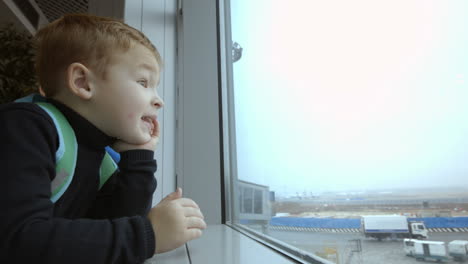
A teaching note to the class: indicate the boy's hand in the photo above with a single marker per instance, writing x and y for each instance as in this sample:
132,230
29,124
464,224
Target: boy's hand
121,146
175,221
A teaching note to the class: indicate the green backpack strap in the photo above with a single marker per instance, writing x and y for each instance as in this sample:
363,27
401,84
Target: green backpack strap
66,155
108,167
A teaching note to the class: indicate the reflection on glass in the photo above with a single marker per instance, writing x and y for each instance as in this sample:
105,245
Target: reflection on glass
351,109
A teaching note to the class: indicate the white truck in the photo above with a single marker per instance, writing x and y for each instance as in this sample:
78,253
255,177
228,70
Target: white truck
458,250
393,226
425,250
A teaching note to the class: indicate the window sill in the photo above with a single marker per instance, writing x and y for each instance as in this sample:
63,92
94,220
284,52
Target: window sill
221,244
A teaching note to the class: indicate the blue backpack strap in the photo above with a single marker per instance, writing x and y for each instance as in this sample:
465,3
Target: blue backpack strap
67,152
114,154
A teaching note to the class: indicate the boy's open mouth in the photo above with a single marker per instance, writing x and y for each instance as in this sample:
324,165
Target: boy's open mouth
150,122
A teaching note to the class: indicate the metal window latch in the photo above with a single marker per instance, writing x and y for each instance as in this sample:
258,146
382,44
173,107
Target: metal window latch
236,52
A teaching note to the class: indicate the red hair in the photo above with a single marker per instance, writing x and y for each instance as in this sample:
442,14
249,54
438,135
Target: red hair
87,39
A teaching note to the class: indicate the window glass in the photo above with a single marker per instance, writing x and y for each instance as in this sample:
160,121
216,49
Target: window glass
258,202
351,120
247,200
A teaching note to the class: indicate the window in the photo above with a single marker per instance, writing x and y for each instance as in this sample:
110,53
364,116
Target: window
253,203
246,200
341,110
409,243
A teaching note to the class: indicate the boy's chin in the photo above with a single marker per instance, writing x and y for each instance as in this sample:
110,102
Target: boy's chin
139,140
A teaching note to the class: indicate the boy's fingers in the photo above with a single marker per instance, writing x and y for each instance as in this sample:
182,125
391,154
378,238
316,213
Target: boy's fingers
170,196
195,222
174,195
190,211
188,203
156,130
193,233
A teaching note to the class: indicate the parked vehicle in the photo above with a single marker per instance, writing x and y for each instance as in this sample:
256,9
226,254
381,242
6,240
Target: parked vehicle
394,226
458,249
425,250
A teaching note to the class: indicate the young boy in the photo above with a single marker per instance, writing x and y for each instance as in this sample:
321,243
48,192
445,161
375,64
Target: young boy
101,74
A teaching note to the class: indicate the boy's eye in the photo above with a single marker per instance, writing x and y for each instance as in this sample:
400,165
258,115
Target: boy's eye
143,83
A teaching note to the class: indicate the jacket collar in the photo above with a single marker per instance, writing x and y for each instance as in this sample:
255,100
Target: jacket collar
86,133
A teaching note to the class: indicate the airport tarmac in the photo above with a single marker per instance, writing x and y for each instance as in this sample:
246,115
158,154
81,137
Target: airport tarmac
344,248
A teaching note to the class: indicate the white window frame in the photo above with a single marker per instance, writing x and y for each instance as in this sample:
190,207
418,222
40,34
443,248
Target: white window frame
198,157
157,20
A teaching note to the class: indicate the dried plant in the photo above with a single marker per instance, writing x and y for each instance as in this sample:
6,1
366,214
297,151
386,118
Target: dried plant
17,76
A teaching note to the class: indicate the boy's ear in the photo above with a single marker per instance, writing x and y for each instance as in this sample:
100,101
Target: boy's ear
78,80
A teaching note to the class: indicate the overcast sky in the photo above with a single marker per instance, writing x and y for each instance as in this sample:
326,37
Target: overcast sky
338,95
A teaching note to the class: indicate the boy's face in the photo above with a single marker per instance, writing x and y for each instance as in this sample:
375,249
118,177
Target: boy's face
127,98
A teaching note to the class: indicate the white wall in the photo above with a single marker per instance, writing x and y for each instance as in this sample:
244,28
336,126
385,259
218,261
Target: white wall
157,20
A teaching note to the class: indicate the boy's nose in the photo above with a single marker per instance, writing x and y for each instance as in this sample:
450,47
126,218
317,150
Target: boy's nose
157,102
